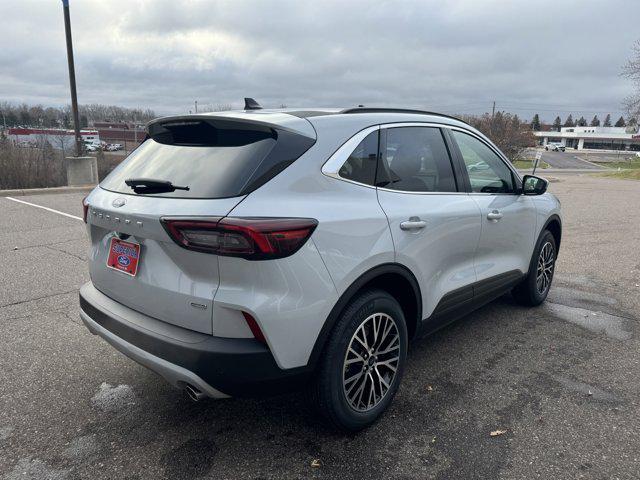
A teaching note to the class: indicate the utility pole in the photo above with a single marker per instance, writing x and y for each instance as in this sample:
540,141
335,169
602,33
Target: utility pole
196,106
72,78
493,114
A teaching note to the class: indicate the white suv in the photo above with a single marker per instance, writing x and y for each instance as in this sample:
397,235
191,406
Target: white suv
555,147
252,252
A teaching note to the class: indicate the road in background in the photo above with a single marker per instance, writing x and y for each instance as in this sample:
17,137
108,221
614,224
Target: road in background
562,380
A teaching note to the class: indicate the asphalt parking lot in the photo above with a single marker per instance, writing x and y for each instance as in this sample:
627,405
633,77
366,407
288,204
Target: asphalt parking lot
562,380
570,159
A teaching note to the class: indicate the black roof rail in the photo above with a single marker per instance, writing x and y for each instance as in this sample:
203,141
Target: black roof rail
399,110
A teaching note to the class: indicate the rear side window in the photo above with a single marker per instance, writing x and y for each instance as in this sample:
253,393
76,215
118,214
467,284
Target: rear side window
213,161
361,164
416,159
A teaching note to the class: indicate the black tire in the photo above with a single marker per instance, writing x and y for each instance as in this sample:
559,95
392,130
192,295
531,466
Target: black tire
528,292
328,392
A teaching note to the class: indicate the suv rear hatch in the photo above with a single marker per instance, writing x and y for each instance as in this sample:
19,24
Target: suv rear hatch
193,167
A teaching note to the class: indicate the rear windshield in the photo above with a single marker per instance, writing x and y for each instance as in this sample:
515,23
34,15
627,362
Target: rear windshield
211,162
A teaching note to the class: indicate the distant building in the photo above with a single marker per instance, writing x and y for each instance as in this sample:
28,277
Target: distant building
58,138
126,134
596,138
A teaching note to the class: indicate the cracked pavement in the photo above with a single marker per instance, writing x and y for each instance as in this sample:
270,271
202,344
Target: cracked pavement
563,380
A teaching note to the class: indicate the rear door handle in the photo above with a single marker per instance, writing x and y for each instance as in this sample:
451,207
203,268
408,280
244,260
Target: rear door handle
494,215
414,223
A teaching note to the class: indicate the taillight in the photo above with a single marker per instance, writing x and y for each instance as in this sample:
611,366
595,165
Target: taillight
249,238
85,209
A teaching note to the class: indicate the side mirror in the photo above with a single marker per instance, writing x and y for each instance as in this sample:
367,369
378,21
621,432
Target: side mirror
532,185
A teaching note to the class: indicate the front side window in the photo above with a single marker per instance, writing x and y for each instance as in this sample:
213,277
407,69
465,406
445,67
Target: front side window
361,164
416,159
487,172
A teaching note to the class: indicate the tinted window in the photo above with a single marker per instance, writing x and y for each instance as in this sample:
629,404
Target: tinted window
487,172
415,159
213,162
361,164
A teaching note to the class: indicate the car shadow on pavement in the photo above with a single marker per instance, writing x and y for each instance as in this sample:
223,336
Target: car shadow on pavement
491,371
427,426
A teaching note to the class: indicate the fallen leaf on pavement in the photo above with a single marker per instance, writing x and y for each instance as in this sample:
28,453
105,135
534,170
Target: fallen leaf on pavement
495,433
315,463
429,388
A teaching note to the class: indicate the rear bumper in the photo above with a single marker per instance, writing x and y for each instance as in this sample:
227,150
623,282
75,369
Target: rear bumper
219,367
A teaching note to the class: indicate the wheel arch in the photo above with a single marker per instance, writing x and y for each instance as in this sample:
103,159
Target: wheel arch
554,225
395,279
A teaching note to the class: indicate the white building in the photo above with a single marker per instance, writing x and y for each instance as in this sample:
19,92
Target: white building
596,138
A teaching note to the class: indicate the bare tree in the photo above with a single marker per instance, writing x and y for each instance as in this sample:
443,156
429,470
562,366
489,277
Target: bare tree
631,70
507,131
218,107
32,167
39,116
61,141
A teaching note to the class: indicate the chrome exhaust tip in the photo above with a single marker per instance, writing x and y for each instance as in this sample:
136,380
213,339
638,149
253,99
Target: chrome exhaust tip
193,393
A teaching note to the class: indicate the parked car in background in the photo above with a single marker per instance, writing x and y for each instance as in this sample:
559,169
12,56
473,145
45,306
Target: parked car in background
478,166
250,253
555,147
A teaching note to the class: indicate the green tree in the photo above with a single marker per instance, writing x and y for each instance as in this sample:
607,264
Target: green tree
535,123
557,124
632,122
607,120
582,122
569,122
621,122
595,122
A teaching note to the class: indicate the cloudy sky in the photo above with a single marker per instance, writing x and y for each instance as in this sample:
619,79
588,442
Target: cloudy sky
457,56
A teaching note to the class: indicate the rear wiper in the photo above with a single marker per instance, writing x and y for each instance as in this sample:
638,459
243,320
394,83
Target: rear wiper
149,185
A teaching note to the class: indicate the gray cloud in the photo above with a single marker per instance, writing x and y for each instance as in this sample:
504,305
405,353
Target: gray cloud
456,56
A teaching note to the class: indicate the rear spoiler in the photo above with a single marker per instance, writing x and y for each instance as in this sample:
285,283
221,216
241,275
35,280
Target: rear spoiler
250,121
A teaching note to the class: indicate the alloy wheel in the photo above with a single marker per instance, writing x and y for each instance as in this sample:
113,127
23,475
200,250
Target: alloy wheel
544,271
371,362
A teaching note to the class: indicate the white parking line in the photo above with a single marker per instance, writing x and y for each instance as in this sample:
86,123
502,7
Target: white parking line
44,208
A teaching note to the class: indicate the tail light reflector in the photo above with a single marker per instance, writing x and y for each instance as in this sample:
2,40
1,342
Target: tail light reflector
85,209
249,238
254,327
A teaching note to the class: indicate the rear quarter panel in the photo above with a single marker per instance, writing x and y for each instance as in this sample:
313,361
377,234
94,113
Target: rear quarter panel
352,237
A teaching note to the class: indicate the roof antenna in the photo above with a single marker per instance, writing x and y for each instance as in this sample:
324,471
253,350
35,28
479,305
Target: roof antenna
251,104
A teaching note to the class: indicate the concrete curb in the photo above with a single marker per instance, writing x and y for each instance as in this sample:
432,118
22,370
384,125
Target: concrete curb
45,191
